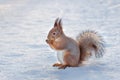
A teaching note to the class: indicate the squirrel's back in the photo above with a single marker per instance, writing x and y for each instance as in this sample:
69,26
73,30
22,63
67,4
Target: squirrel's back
90,43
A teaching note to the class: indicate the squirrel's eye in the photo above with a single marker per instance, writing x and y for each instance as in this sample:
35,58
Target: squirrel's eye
54,33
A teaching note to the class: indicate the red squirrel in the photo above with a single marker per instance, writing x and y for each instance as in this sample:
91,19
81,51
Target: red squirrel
74,52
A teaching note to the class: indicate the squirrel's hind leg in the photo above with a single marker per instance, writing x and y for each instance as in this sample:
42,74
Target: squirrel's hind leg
57,65
60,66
63,66
70,60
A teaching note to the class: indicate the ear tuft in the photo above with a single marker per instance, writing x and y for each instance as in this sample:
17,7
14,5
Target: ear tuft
56,22
60,23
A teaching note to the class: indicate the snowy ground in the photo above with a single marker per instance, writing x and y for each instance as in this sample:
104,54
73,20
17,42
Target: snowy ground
24,24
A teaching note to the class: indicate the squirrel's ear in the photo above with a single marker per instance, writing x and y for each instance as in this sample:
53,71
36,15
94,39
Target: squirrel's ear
56,22
60,24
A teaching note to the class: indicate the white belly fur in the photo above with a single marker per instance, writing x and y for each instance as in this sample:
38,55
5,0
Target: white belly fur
60,55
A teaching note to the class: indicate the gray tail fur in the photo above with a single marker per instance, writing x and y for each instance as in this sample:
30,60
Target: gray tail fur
90,43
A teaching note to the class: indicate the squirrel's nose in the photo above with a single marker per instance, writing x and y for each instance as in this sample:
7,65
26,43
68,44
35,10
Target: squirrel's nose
46,40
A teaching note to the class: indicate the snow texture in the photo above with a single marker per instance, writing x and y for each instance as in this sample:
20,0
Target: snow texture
24,25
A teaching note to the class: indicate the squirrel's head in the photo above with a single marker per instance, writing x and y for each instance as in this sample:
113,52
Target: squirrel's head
56,31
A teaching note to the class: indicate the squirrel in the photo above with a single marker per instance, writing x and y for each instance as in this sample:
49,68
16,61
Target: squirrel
74,52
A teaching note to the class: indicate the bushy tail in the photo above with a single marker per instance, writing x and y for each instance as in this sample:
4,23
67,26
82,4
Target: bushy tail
90,43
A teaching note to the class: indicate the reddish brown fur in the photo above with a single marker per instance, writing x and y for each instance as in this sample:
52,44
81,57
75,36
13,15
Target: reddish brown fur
74,52
70,59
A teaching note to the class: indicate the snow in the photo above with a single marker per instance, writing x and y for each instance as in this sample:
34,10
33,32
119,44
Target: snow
24,25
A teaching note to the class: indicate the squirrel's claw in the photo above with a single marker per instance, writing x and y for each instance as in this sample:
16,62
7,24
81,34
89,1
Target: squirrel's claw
63,66
57,65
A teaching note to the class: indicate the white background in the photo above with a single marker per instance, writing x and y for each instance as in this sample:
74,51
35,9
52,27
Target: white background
24,25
